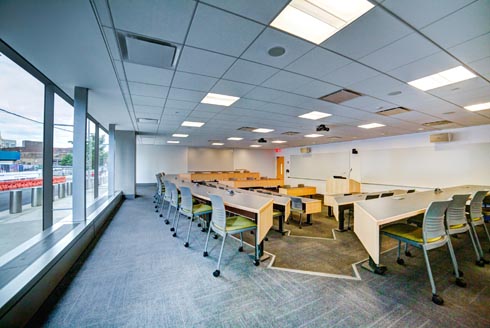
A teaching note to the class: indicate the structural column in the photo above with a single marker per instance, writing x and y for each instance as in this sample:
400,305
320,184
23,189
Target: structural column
48,156
111,161
96,161
79,156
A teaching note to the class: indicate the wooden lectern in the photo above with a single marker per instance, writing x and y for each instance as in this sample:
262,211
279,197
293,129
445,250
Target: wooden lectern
340,185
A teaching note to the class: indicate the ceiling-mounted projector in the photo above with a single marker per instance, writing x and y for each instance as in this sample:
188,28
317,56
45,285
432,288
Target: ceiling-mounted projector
262,140
322,127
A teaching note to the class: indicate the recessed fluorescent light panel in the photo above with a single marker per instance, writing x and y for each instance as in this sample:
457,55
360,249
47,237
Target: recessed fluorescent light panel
371,126
220,100
173,141
317,20
262,130
179,135
315,115
192,124
278,141
255,146
477,107
235,138
314,135
217,144
443,78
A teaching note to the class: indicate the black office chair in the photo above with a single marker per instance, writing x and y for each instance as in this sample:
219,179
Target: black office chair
410,191
368,197
387,194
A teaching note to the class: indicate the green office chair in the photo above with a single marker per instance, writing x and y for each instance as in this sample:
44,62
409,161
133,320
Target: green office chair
432,235
297,207
475,217
189,210
456,223
174,203
224,226
167,196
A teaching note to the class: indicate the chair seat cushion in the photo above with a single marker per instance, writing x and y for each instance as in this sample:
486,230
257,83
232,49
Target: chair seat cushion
476,219
201,208
276,213
297,210
239,223
407,231
457,226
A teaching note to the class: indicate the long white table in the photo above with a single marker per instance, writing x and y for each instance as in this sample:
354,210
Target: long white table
338,203
371,215
253,206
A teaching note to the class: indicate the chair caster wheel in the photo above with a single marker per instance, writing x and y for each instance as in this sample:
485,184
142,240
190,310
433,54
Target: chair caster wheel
161,215
300,227
380,270
156,211
216,273
400,261
205,254
485,261
166,222
460,282
460,273
199,225
156,206
251,232
215,236
240,249
186,245
172,229
174,234
408,254
256,262
266,238
203,230
437,299
480,263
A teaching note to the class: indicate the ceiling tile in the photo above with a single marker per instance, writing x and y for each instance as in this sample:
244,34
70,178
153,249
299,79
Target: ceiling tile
248,103
463,25
400,52
180,104
204,62
258,50
165,20
149,90
369,104
113,45
148,101
193,81
147,109
473,49
148,74
248,72
231,88
316,89
186,95
482,66
317,63
350,74
265,94
286,81
377,86
228,34
372,31
260,10
420,13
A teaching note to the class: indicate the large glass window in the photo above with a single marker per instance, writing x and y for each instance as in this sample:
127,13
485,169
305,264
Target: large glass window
103,156
62,159
90,163
21,155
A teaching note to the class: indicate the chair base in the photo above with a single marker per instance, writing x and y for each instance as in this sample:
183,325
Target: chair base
373,267
437,299
216,273
460,282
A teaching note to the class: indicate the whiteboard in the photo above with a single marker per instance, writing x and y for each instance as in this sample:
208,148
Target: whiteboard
319,166
434,166
208,159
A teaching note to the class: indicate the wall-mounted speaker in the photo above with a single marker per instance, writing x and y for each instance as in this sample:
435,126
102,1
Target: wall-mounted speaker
305,150
440,137
354,151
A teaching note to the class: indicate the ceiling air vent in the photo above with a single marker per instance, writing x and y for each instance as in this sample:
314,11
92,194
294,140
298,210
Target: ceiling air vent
333,138
340,96
437,123
290,133
246,128
145,51
393,111
147,120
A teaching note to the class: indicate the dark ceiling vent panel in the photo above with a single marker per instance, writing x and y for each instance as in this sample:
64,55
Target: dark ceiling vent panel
393,111
290,133
340,96
246,128
437,123
145,51
147,120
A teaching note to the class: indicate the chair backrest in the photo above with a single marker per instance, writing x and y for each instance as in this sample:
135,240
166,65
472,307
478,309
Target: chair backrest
301,185
159,184
250,178
386,194
218,216
456,211
174,198
368,197
168,194
348,194
286,186
410,191
186,200
296,203
433,224
477,203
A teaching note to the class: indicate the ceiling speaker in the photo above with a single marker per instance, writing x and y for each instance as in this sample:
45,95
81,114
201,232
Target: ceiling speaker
305,150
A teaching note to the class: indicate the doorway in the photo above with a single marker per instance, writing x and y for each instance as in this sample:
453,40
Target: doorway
280,167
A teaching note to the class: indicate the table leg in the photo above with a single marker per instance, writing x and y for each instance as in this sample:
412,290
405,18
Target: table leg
281,224
330,211
308,219
341,219
373,267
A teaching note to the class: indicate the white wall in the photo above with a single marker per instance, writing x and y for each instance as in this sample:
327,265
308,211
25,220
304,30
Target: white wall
467,139
151,159
209,159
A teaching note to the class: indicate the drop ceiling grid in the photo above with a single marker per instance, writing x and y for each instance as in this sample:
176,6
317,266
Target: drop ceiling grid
225,75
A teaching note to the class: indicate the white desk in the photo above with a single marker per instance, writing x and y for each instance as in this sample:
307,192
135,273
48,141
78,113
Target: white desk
253,206
371,215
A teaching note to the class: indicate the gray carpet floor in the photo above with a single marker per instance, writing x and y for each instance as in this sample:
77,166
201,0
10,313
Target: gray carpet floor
138,275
